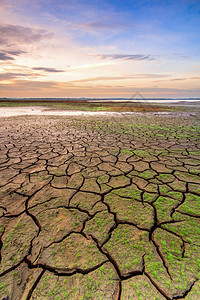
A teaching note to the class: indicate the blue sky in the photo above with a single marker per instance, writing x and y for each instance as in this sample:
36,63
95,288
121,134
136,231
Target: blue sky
99,48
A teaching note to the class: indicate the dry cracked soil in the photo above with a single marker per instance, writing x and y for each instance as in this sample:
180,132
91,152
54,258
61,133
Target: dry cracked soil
100,208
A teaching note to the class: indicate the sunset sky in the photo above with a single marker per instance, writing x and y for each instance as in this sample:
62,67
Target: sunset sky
76,48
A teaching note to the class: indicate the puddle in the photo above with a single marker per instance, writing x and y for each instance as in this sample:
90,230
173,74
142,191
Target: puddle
43,111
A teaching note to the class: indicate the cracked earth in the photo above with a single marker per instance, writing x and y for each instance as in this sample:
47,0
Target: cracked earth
104,208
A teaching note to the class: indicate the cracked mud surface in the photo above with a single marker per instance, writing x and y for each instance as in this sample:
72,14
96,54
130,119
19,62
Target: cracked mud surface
100,208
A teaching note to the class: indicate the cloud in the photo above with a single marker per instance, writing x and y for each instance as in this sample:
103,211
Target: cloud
13,75
88,66
135,57
4,56
11,34
8,55
97,25
27,85
179,79
6,76
50,70
134,76
104,78
30,88
99,21
110,22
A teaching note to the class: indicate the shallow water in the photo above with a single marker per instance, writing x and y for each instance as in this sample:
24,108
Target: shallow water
44,111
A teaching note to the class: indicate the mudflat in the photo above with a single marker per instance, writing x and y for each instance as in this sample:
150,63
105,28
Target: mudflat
100,207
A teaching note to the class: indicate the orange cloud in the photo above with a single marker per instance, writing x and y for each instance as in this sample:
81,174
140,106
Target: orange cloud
179,79
33,88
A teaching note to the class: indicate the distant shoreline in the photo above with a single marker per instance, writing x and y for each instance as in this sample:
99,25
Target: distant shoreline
169,101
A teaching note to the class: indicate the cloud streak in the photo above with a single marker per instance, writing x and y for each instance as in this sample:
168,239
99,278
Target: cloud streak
113,22
5,56
179,79
134,76
30,85
48,70
8,55
6,76
14,75
134,57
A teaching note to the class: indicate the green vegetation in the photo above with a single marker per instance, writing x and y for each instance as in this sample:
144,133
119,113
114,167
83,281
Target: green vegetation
100,225
127,246
99,284
126,210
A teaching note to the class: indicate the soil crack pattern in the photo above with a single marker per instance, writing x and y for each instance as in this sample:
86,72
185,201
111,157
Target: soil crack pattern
100,207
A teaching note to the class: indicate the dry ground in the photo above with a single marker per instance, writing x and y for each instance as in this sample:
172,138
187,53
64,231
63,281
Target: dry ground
100,208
